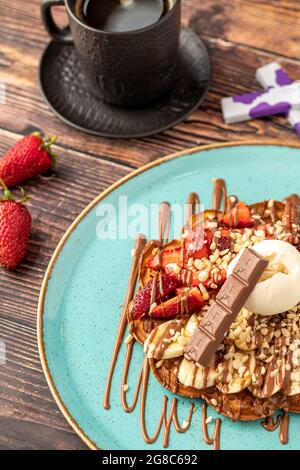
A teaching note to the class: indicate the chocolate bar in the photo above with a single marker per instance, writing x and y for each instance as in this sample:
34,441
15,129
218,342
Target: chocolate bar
272,75
222,313
276,100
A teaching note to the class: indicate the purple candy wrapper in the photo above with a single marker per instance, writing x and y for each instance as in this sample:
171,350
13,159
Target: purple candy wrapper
272,75
275,100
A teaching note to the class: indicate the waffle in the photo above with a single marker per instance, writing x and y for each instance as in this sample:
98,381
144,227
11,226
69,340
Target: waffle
253,372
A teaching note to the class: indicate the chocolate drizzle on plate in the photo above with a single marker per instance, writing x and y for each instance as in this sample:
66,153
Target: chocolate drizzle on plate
219,194
215,439
269,424
139,245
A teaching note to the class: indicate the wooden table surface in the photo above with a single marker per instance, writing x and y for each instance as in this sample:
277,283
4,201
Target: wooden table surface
241,35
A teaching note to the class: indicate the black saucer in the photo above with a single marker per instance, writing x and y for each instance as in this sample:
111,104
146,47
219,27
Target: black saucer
61,83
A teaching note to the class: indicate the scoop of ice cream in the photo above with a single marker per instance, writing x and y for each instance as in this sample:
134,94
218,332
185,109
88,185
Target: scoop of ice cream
278,289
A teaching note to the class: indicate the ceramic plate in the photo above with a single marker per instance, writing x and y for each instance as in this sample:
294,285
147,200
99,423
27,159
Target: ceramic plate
84,289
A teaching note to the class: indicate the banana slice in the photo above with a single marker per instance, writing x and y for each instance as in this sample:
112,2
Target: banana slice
192,375
169,339
295,383
234,374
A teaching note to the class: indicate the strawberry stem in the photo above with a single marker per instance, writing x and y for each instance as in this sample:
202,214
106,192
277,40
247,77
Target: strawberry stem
7,195
24,196
49,141
36,134
46,145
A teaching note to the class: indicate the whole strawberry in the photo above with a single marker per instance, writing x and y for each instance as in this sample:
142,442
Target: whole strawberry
29,157
15,228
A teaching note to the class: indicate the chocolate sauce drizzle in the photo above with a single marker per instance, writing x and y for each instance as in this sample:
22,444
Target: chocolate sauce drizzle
219,194
139,245
283,421
192,206
215,439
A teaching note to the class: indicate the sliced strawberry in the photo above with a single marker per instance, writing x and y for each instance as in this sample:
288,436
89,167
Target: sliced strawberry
203,252
142,301
173,254
185,303
168,256
198,247
239,216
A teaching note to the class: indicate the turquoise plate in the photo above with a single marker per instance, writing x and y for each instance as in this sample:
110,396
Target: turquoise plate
84,287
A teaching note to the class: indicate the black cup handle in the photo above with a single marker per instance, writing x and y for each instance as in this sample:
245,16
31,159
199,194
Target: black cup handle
61,35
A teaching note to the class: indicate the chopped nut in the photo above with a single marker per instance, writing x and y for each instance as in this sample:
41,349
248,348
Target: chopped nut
199,265
236,248
208,419
236,364
237,331
228,356
270,358
125,388
212,225
185,424
203,276
260,233
214,402
203,291
128,339
274,372
158,364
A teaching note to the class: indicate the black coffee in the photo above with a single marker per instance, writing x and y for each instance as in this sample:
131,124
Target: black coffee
121,15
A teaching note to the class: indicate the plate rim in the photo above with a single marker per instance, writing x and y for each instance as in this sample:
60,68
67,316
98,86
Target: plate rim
41,302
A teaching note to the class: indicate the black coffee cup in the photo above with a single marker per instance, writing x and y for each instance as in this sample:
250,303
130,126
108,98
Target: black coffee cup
122,68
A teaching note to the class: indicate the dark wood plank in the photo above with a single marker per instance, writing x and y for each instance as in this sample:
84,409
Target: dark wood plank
269,25
27,414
